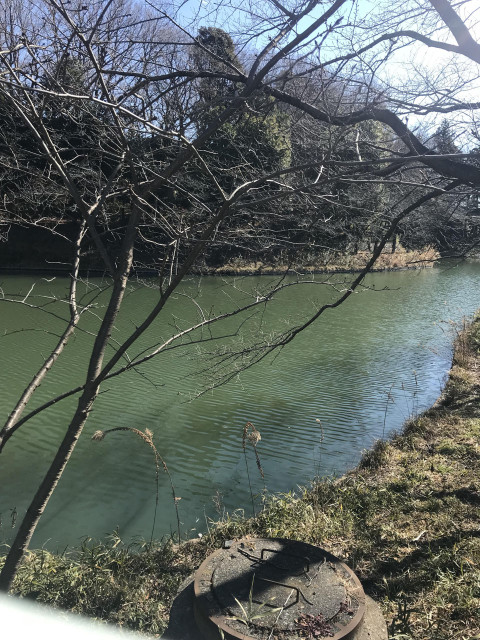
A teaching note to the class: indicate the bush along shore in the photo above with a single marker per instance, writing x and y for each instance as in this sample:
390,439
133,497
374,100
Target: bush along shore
406,520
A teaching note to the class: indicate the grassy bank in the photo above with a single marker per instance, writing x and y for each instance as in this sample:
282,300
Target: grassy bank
407,520
335,262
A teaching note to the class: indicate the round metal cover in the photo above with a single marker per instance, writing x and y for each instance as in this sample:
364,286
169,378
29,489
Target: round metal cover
268,588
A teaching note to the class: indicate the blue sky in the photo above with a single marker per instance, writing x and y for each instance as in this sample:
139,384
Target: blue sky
407,66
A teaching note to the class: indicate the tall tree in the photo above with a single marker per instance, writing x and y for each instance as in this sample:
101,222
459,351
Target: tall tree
444,139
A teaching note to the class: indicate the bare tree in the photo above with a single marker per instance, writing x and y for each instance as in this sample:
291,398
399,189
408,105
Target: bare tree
107,93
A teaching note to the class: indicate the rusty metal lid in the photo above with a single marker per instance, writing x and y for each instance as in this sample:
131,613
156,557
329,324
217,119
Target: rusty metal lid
273,588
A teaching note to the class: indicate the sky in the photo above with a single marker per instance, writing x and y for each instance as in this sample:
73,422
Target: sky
407,67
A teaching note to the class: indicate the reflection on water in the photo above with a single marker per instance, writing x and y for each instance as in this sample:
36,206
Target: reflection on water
361,370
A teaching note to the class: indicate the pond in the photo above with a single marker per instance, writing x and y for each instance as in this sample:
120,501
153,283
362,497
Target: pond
355,375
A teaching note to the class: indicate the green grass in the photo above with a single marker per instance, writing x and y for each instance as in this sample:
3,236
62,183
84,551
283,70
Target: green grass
407,521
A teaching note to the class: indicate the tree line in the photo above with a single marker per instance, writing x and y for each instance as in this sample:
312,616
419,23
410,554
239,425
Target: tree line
320,198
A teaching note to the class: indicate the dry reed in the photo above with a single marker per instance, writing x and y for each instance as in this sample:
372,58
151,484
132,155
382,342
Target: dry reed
147,437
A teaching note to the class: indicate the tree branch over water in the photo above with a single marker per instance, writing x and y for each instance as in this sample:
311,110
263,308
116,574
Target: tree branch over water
147,142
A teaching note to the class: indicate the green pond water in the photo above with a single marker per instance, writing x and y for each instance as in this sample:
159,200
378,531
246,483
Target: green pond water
362,370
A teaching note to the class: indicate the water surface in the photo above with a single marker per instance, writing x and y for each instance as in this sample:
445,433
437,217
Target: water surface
361,370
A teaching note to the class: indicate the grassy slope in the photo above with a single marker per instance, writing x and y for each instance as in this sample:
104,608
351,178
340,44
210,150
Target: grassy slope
407,520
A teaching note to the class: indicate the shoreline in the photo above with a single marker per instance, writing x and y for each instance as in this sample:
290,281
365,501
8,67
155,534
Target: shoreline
150,273
406,520
307,271
401,260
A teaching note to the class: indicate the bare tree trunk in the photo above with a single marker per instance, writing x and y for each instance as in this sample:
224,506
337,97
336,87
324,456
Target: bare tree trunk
394,243
54,473
45,490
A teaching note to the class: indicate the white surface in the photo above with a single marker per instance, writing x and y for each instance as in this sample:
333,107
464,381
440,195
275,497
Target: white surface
21,620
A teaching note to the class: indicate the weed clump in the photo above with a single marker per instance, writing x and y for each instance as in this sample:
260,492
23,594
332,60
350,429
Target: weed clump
375,457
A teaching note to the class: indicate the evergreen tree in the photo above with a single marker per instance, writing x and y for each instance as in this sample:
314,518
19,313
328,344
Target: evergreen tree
258,138
444,139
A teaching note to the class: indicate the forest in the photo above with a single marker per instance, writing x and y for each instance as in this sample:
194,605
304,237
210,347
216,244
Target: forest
317,161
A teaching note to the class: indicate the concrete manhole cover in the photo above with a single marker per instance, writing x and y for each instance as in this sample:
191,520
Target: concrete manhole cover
273,588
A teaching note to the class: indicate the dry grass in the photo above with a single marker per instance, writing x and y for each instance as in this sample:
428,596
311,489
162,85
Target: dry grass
401,259
334,262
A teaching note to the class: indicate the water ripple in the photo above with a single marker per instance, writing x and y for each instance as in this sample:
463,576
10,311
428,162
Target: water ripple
361,371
